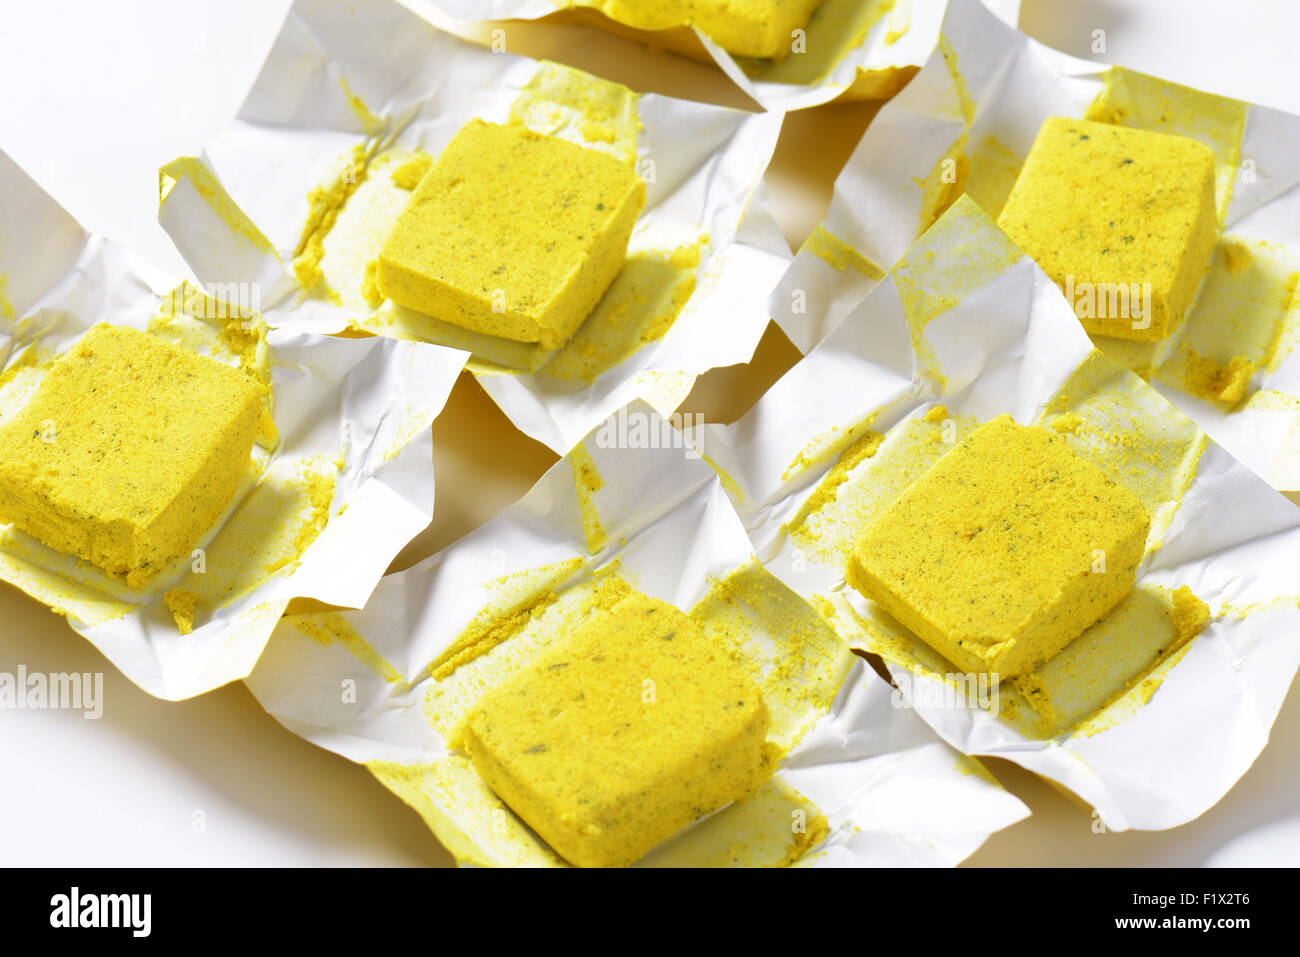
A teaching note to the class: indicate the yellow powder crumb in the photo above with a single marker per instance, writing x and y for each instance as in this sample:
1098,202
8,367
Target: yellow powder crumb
408,175
937,414
1236,256
1067,422
1190,616
370,290
1211,379
182,603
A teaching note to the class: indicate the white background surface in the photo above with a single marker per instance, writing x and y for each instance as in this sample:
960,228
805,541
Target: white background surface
95,96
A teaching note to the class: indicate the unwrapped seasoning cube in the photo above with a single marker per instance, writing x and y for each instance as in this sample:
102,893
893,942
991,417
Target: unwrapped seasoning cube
1004,551
512,233
129,451
629,730
1112,213
754,28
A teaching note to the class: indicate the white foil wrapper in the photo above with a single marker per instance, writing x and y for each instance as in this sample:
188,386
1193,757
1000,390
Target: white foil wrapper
355,414
360,683
377,77
860,49
984,93
967,322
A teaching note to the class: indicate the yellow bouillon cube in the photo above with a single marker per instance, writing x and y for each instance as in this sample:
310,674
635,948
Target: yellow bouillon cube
754,28
1004,551
633,727
129,451
1123,220
512,233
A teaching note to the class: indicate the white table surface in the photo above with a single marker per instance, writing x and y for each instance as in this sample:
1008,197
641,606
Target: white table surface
97,95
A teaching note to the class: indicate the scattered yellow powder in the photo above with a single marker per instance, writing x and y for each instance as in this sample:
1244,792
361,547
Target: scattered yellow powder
369,121
838,254
1112,669
210,190
861,449
588,482
324,205
488,631
327,628
319,489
